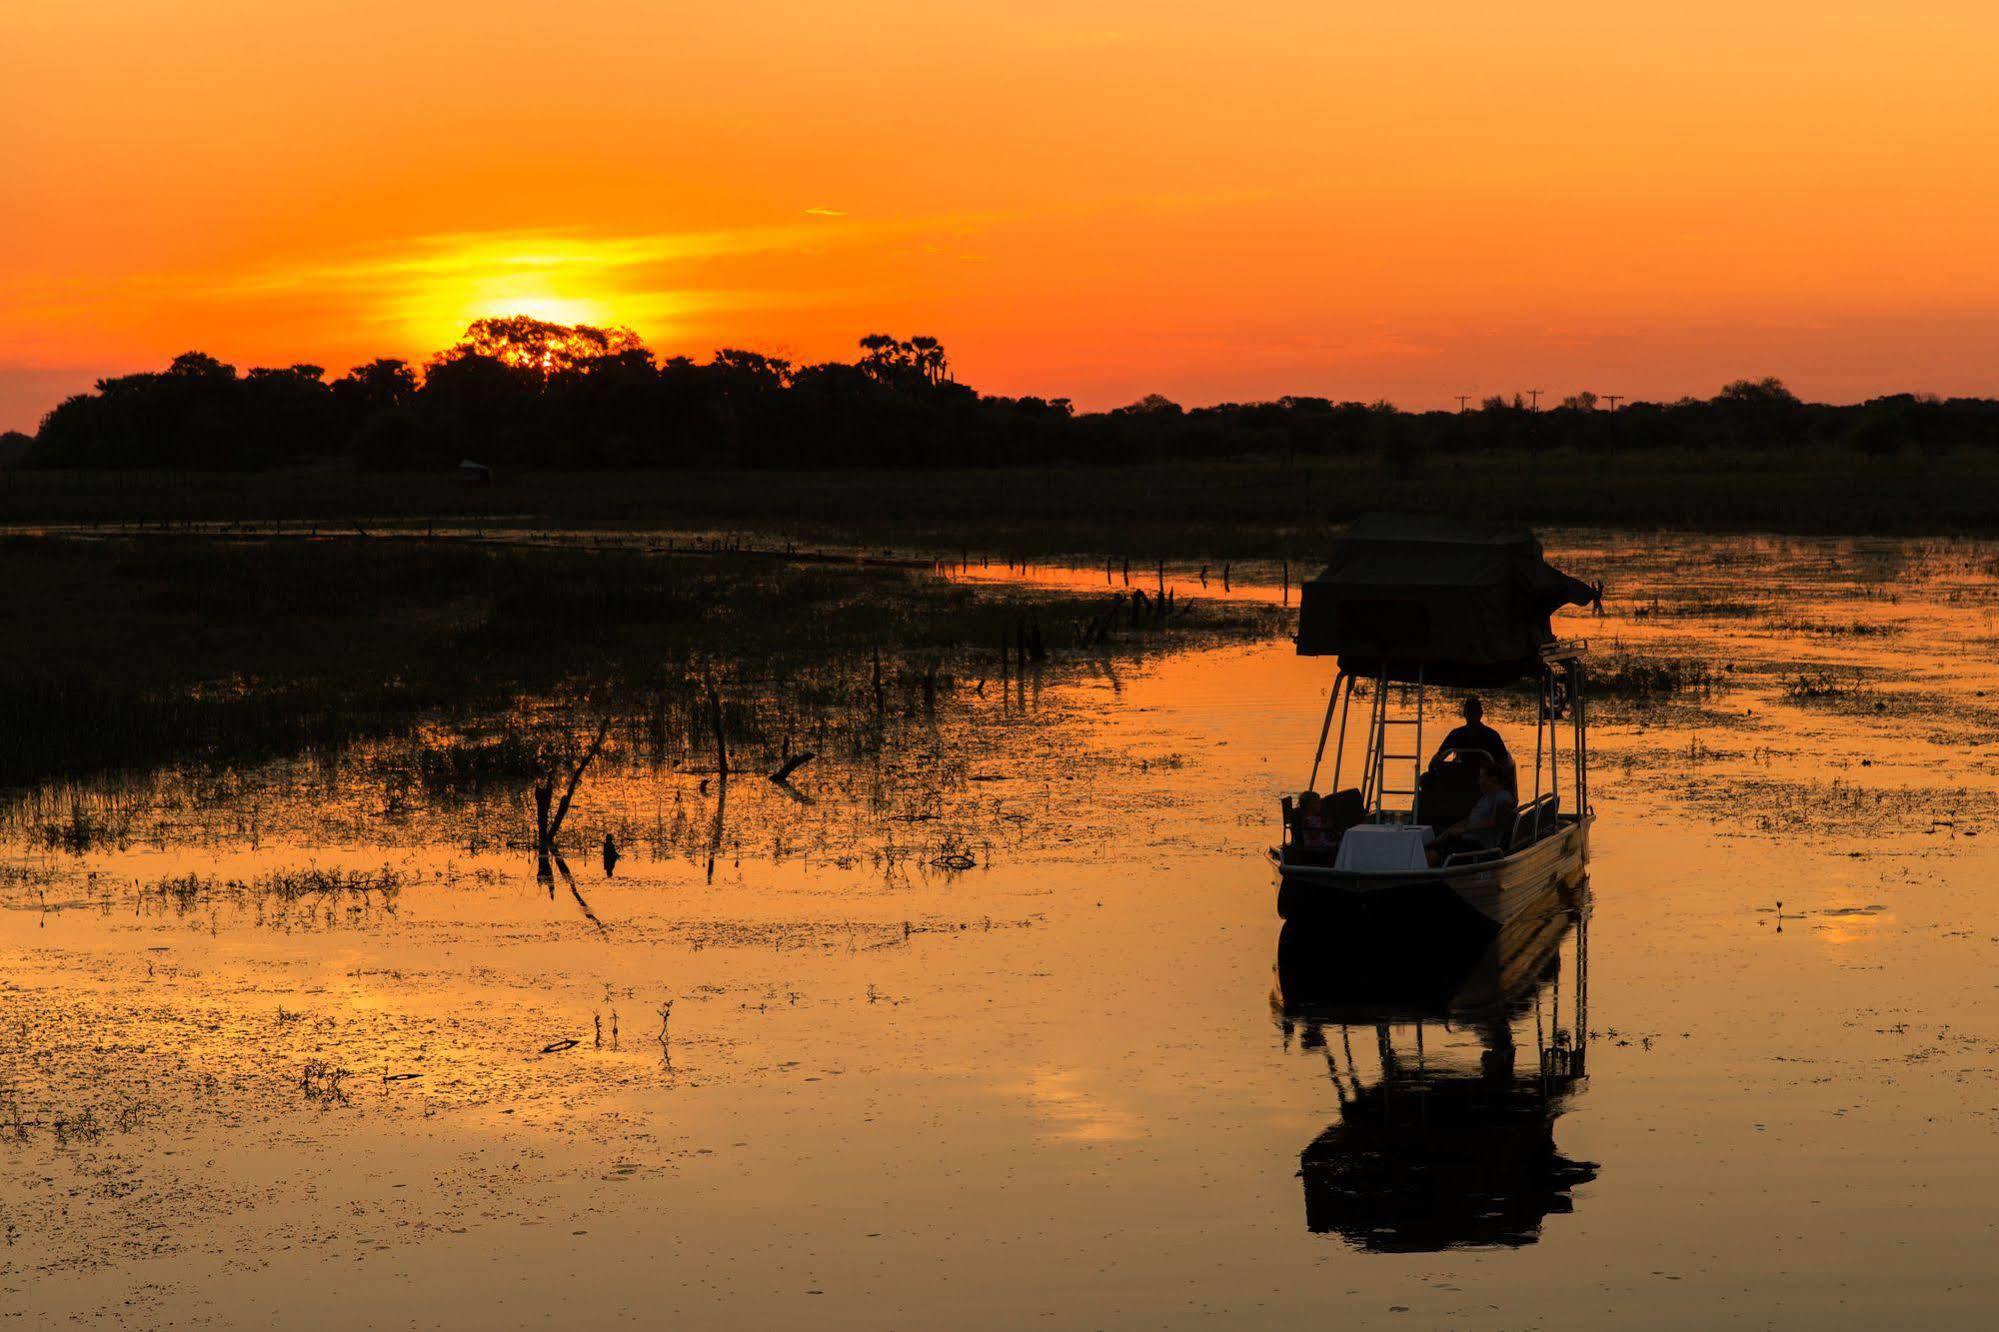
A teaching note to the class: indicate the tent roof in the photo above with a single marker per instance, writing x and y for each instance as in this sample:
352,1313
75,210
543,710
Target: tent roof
1413,551
1457,602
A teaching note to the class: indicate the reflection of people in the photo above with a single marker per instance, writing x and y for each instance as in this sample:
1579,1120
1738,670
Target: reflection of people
1475,734
1481,829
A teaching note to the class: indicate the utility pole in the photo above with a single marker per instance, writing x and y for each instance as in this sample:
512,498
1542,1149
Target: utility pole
1535,394
1613,399
1463,398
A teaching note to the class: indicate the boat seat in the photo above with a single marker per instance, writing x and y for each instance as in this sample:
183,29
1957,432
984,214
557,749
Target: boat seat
1448,793
1525,830
1343,810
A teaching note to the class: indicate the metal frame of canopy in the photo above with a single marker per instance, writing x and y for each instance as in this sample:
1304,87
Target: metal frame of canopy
1561,690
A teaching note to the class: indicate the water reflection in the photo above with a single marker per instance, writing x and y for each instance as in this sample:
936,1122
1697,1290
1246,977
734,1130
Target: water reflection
1451,1074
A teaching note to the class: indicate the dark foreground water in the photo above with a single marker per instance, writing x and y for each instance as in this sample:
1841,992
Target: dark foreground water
991,1034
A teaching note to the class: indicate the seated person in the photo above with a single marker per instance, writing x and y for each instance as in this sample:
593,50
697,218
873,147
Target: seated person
1475,734
1308,826
1482,829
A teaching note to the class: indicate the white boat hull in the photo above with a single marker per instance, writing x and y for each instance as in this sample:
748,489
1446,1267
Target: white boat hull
1495,892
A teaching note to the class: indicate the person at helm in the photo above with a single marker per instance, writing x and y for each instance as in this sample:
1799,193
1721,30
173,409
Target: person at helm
1473,739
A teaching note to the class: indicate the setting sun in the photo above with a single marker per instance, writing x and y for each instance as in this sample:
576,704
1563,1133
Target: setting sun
504,296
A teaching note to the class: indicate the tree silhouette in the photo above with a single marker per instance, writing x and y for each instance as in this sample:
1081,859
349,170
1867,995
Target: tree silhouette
377,386
523,342
519,390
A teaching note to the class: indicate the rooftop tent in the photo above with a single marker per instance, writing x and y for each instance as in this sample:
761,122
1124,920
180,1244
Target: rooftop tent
1463,603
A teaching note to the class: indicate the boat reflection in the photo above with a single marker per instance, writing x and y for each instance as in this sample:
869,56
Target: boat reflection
1451,1075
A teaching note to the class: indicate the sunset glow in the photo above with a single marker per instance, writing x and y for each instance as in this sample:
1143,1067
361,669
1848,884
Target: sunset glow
1098,201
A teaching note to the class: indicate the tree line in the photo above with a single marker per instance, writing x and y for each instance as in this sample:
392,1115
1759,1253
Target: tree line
522,391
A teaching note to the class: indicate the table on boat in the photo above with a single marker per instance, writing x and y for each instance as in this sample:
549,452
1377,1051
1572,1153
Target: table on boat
1383,846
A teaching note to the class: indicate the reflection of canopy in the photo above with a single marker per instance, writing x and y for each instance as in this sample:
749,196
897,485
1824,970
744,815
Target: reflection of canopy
1423,1165
1466,603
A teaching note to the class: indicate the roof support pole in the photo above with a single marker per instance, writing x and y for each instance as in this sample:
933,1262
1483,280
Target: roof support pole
1326,729
1542,722
1416,780
1577,704
1346,713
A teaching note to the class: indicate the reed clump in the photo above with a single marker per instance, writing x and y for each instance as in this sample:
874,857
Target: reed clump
470,764
1642,677
284,885
1820,686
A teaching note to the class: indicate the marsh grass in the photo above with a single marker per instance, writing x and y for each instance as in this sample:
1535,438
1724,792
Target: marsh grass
153,650
321,1081
1799,625
461,764
1627,675
64,727
185,891
1704,608
1826,685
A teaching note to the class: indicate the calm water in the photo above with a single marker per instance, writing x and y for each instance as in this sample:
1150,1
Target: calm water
1067,1084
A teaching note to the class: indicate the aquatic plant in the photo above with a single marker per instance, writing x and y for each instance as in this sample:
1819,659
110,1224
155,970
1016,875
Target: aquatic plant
1813,686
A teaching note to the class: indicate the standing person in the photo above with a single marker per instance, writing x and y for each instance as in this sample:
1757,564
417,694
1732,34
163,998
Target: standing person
1475,734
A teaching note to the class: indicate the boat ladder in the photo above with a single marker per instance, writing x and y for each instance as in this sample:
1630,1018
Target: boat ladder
1408,729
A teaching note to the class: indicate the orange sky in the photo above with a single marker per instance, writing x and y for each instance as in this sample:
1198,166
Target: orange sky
1101,200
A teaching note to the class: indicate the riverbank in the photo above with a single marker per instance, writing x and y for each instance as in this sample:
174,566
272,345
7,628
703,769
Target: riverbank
1256,509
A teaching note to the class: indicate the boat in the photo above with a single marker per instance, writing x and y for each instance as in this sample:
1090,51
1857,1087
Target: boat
1411,607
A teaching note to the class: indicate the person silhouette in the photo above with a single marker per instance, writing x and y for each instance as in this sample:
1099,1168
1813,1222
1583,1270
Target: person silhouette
611,856
1476,735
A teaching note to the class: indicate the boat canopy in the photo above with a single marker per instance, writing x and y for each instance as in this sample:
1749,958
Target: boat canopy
1452,603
